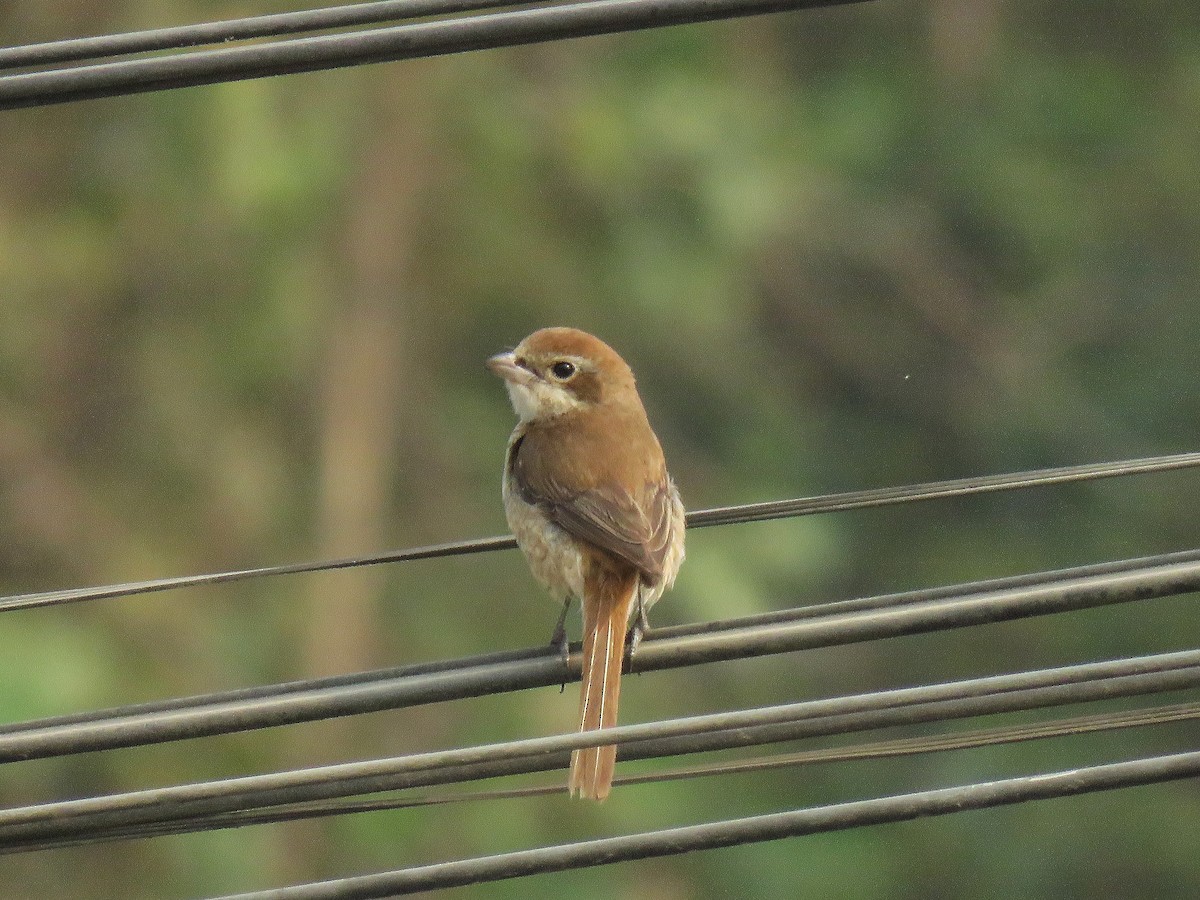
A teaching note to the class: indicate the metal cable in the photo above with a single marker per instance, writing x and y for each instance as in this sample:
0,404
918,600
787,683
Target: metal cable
889,616
723,515
854,814
273,25
272,797
939,490
856,752
810,611
385,44
964,740
88,819
76,595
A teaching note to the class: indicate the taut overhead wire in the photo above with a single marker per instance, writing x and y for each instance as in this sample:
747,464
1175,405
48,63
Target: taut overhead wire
889,617
770,827
74,820
203,33
959,740
724,515
536,24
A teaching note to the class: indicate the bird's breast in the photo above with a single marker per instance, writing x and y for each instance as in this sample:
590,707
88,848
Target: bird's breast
554,556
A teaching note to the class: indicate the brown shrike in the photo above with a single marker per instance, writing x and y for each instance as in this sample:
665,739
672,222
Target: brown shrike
587,494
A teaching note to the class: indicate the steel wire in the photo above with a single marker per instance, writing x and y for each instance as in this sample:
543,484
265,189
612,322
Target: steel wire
1058,592
179,37
687,839
856,752
704,518
811,611
189,807
374,45
31,827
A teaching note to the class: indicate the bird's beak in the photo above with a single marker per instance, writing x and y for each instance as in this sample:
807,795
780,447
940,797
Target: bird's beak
505,365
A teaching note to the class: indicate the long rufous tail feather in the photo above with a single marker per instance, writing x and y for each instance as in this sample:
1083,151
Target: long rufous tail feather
605,618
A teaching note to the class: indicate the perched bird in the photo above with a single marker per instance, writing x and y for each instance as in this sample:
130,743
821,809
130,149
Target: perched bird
587,494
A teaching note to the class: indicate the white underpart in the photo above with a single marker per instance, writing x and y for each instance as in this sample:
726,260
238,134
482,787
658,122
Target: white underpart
554,557
675,550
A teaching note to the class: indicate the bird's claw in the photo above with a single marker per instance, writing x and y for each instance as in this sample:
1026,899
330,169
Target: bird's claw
558,640
641,624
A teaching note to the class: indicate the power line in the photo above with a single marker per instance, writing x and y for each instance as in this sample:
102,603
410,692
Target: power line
941,490
280,795
961,740
304,793
507,657
887,616
969,739
965,740
816,820
74,821
724,515
386,44
273,25
78,595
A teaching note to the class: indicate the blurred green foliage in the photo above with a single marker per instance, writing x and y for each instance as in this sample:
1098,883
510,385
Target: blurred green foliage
843,248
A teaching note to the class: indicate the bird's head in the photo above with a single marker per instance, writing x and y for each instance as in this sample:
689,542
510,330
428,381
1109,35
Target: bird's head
556,371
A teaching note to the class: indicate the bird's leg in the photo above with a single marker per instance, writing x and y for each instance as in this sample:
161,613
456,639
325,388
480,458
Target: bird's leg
641,624
558,638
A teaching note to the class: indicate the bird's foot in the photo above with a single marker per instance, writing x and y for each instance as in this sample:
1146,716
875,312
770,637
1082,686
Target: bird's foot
558,640
641,624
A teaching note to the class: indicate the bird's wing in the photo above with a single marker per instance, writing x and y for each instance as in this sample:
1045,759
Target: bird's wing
635,529
632,525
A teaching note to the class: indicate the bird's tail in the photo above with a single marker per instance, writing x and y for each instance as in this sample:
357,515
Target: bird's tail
606,606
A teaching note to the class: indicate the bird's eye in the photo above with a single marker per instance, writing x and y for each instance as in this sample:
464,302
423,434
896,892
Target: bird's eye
562,370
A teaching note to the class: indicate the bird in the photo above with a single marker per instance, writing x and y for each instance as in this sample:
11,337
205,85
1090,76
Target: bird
588,497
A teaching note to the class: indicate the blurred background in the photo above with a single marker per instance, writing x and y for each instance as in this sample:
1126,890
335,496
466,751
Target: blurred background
843,248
